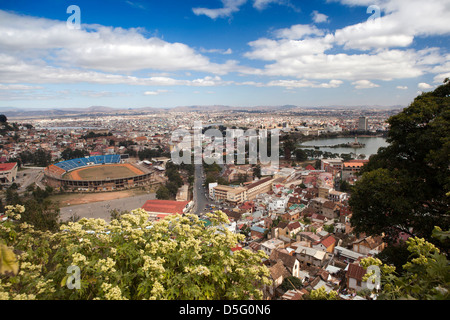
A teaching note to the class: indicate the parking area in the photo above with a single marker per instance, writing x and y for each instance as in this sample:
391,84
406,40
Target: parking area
101,209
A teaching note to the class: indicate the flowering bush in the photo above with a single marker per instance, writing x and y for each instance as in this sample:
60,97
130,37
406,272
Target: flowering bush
130,258
426,275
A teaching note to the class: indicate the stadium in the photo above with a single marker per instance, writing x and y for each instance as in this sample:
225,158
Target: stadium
98,173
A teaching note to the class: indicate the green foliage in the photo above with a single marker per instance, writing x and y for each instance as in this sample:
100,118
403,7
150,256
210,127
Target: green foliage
300,155
163,193
425,276
133,258
39,157
93,134
291,283
322,294
404,186
151,153
68,154
8,261
41,212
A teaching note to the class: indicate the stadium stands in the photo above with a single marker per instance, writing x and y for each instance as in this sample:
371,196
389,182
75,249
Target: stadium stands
72,164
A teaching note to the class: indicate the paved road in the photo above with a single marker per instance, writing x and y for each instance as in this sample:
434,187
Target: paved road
102,209
200,192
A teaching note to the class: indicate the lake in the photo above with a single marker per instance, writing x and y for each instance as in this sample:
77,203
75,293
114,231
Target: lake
371,145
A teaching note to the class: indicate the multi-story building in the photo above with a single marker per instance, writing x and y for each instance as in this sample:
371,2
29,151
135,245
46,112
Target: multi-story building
8,172
230,194
363,124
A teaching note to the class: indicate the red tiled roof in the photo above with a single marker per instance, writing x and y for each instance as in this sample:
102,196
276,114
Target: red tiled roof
165,206
328,241
355,271
7,166
310,167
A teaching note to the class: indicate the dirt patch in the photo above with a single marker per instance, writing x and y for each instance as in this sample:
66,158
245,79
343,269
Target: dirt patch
74,199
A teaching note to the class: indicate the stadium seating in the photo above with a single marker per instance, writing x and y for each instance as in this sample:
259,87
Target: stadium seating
72,164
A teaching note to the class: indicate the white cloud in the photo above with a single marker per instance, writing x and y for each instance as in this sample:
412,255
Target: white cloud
319,17
98,47
399,23
154,93
402,87
18,87
16,71
290,84
263,4
364,84
298,31
220,51
424,86
379,49
309,59
229,7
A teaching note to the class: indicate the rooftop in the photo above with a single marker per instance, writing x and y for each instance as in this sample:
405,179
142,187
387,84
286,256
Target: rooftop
165,206
7,166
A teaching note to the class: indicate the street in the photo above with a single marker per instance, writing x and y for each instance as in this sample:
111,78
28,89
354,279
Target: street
199,191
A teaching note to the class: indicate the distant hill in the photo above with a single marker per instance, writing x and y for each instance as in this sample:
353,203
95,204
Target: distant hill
18,113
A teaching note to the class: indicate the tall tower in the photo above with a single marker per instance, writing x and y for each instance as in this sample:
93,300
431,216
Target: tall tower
362,124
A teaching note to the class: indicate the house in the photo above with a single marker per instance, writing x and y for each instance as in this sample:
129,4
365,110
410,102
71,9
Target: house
330,210
369,245
8,172
278,273
257,232
346,255
354,277
310,256
280,230
310,237
270,245
337,196
254,246
289,261
294,228
326,244
317,204
290,215
294,294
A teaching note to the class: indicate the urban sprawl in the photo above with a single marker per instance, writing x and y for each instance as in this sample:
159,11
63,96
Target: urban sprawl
297,213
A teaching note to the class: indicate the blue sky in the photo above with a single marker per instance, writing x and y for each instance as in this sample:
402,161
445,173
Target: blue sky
136,53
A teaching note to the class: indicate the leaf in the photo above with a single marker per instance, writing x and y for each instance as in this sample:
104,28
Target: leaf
64,280
8,261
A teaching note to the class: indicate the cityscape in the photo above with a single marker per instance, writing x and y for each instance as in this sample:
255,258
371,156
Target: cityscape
153,161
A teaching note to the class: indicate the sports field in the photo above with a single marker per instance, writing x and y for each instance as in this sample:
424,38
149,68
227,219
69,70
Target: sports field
103,172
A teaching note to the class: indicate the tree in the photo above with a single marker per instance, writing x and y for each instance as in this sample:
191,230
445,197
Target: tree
257,171
291,283
322,294
300,155
162,193
405,186
3,118
68,154
426,275
132,258
288,146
